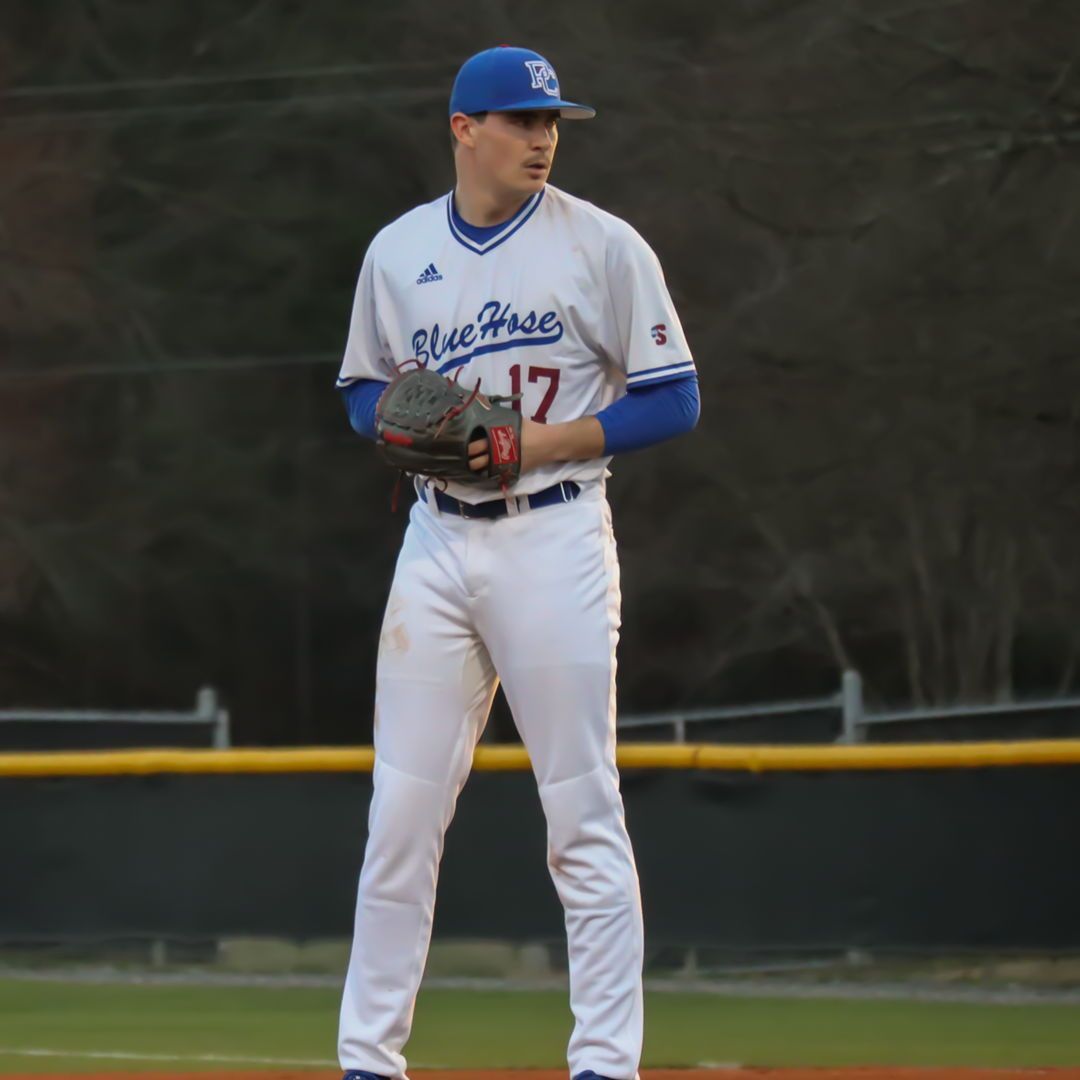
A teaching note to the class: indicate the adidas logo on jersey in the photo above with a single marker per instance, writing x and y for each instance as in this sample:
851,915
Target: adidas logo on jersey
429,273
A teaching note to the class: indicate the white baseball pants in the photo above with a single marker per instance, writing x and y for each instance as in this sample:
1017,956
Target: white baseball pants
533,597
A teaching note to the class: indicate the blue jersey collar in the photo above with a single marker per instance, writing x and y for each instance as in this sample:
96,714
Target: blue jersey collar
480,240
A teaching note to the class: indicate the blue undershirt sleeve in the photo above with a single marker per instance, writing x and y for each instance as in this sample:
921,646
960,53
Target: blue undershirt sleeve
650,414
360,398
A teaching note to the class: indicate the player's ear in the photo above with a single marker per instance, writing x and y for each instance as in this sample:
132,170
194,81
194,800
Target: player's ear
461,129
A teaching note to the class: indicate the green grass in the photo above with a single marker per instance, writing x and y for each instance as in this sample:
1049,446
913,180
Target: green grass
488,1029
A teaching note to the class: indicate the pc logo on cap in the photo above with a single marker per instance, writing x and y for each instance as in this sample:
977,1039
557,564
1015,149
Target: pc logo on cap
506,79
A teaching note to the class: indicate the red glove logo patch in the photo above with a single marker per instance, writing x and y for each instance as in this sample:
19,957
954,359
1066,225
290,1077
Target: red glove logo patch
504,450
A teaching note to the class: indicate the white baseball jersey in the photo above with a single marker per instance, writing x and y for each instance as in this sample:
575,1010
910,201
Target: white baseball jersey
565,304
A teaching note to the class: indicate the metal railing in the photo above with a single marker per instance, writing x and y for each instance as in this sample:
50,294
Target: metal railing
851,714
679,720
207,711
852,718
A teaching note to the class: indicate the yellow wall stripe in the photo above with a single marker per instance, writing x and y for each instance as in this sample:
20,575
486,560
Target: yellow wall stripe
312,759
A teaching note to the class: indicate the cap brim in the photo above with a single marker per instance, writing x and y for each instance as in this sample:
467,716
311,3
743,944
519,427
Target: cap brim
567,110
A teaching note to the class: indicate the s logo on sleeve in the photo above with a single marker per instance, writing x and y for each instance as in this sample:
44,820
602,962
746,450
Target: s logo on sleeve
659,334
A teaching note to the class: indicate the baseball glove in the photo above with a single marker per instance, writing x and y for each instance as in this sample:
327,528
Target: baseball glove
426,421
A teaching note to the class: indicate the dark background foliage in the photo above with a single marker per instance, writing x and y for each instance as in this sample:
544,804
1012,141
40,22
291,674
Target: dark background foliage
868,217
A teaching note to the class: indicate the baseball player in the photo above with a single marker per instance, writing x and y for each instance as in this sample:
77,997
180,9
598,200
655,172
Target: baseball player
524,291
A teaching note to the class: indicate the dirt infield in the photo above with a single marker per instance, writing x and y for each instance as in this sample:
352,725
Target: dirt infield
880,1072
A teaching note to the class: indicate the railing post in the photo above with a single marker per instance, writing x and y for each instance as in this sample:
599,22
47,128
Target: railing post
221,730
208,709
851,707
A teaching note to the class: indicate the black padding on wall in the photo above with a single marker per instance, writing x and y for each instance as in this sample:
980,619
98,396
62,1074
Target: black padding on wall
965,858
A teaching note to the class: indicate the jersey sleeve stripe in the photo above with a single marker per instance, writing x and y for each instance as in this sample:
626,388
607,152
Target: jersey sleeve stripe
348,380
666,377
684,367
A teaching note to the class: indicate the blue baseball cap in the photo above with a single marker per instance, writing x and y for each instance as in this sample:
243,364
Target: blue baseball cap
505,79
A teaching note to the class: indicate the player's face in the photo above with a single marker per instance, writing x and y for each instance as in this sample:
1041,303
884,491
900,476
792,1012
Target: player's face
514,150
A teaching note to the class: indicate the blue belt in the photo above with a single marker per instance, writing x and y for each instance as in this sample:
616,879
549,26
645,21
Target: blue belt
563,492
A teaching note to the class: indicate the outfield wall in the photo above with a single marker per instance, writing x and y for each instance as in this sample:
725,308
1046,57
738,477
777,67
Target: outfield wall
746,848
